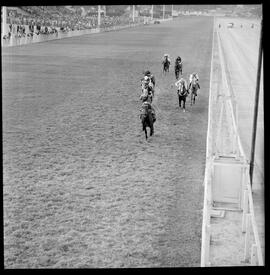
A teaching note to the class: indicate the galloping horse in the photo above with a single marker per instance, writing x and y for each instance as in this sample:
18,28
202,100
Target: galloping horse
166,64
178,67
147,117
182,92
193,87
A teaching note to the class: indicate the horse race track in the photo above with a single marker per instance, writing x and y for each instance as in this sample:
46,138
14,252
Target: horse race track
82,187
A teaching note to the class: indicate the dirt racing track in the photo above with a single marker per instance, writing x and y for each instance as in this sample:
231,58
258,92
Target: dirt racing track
82,187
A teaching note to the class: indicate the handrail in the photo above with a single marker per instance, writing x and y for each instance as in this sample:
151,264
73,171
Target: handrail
206,217
205,245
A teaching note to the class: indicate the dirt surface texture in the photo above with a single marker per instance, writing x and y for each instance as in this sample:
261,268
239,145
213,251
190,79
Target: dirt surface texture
82,187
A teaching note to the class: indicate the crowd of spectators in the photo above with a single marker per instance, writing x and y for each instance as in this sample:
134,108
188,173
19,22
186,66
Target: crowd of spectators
38,20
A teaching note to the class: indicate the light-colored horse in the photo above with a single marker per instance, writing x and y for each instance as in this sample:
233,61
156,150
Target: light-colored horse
182,92
194,87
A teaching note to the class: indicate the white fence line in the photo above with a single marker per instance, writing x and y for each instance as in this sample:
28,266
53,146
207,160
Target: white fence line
205,246
252,251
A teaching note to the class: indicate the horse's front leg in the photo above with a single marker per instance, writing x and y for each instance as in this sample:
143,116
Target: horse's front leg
145,133
152,130
184,105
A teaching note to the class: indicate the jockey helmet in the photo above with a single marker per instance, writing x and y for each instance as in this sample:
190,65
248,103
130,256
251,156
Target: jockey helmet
146,73
166,55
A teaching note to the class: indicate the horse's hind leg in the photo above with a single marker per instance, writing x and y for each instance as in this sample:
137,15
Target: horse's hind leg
152,130
145,133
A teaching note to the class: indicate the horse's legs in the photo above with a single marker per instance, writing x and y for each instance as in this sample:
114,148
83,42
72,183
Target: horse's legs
184,104
179,101
152,130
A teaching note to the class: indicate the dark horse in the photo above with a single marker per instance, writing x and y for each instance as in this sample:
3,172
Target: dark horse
166,65
182,94
147,117
178,67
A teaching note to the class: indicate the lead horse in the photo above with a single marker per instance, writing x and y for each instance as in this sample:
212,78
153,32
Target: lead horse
182,92
147,118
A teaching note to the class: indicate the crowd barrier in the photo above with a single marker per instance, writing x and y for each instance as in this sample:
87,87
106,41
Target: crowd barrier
236,184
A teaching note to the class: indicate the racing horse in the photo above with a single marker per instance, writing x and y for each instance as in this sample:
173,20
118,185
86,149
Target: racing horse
182,92
178,67
193,88
147,117
166,65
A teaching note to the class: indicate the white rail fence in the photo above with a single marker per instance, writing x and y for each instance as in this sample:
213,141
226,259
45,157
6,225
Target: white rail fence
226,181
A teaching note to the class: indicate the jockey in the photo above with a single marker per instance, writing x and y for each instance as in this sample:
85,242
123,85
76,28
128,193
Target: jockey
195,77
166,57
145,82
151,76
178,60
148,84
181,85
